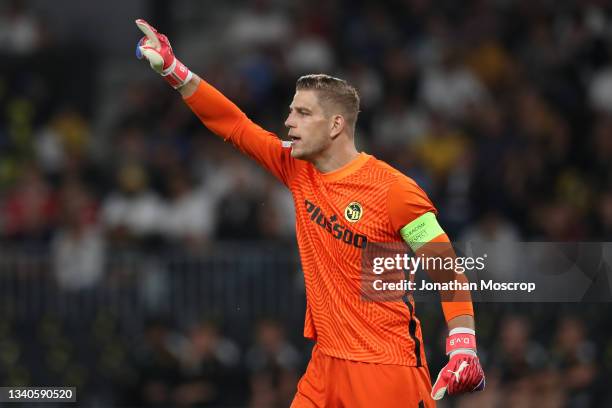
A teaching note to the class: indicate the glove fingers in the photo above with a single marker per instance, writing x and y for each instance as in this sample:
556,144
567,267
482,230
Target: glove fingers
155,59
471,378
481,385
439,388
438,394
149,32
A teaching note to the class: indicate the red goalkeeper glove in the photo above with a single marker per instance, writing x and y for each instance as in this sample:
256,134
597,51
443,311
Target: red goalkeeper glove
156,48
463,372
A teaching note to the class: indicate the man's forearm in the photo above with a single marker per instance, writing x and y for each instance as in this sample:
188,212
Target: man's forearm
190,87
466,321
215,110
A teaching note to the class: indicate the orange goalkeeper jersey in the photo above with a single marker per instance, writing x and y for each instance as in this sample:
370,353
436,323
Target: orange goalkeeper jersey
337,213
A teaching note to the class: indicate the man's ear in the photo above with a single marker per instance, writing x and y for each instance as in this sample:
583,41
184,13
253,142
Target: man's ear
337,125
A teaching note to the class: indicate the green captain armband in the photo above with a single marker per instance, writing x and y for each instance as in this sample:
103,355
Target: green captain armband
421,230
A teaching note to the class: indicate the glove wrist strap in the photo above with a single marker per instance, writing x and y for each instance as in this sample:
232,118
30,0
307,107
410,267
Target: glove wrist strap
463,330
457,341
177,74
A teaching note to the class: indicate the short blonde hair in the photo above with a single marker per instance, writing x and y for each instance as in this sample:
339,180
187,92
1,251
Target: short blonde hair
331,90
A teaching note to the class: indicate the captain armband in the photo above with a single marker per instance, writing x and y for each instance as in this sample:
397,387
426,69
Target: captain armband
421,230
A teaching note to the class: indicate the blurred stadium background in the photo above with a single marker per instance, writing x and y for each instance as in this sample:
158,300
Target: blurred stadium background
145,262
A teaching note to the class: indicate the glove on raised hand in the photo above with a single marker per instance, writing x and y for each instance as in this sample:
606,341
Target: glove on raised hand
156,48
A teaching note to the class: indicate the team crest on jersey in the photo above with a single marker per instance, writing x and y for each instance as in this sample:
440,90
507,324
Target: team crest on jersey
353,212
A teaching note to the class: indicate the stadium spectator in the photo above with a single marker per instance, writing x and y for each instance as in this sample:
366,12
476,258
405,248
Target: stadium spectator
78,247
274,364
451,89
66,137
239,208
20,29
188,215
258,25
209,365
574,357
309,52
133,212
30,208
518,355
157,360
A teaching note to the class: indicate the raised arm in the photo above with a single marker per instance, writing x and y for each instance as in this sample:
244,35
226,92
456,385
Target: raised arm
216,112
190,87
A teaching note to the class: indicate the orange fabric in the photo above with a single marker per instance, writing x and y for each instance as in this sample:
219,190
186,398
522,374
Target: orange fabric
407,201
330,244
332,382
345,170
441,238
452,309
225,119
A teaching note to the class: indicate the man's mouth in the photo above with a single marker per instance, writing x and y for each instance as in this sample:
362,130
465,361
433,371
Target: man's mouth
294,138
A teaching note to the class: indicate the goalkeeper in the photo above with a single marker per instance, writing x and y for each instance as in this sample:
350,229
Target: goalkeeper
367,354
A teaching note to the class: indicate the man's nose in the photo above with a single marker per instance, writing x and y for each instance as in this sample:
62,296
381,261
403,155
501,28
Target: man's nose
289,122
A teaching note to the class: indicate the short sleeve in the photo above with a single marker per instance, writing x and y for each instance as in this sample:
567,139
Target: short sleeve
406,202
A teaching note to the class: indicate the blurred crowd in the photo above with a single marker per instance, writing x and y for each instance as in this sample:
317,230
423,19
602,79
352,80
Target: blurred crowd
501,110
533,357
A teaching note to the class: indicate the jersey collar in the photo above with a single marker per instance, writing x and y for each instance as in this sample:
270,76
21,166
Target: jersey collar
346,170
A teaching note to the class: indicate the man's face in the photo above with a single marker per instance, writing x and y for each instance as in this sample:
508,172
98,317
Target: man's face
309,127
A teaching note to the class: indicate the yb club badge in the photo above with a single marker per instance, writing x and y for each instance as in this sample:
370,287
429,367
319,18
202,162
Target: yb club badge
353,212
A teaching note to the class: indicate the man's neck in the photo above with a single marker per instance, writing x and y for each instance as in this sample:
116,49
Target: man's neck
329,160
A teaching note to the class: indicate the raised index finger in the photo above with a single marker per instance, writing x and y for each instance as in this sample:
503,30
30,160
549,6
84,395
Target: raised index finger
149,32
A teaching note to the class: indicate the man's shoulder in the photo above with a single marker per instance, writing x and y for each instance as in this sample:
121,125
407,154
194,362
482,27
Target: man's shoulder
391,173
